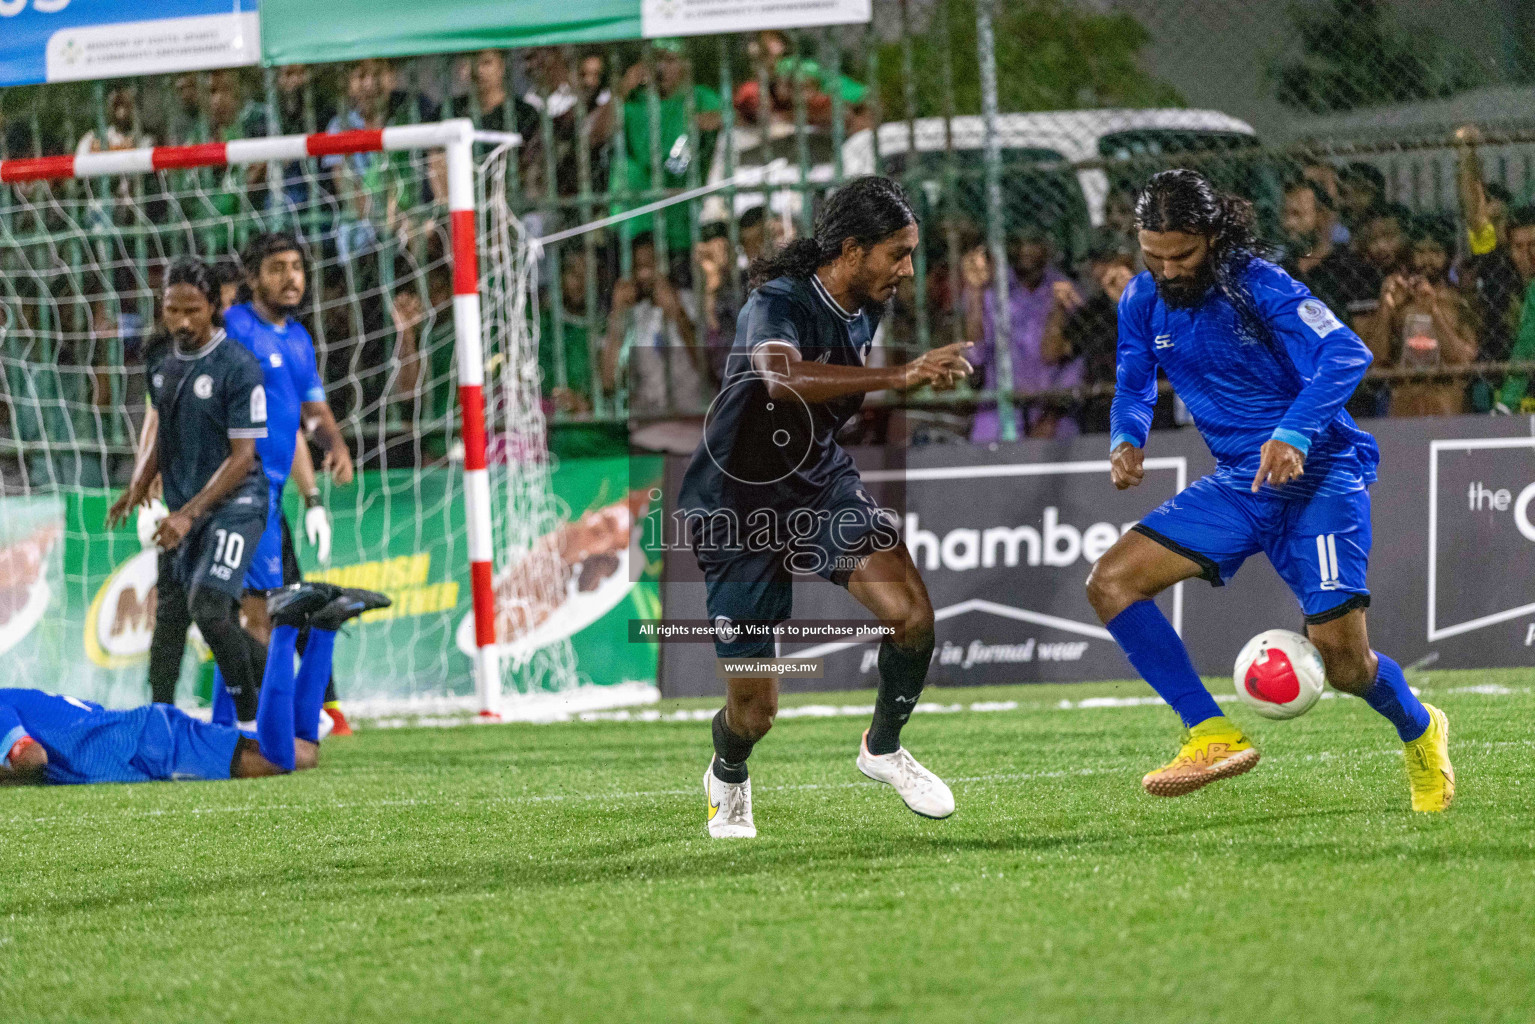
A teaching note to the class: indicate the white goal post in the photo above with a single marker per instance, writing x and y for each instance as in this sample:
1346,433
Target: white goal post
487,528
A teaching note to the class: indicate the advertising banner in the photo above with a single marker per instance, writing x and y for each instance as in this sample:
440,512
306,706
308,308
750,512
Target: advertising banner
77,604
352,29
1005,539
711,17
76,40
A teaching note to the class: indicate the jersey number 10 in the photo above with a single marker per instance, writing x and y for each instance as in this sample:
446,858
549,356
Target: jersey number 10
228,547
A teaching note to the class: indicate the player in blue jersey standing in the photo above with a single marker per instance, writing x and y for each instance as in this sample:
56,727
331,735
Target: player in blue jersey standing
769,492
1265,369
264,324
48,738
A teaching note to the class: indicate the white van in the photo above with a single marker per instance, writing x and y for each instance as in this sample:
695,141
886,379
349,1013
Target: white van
1067,138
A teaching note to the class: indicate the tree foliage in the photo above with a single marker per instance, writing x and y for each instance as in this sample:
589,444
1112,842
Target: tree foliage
1353,54
1051,55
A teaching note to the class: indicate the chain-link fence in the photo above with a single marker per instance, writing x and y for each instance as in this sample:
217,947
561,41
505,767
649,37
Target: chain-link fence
1020,130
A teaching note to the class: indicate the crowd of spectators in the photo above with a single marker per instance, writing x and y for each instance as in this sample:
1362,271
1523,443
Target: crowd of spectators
636,320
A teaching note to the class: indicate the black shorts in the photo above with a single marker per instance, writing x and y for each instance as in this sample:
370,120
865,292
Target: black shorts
750,583
218,551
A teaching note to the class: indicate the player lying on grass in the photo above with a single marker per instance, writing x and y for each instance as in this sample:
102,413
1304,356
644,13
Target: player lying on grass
769,491
1264,369
47,738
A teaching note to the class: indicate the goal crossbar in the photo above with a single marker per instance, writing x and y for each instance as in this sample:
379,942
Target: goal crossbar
456,138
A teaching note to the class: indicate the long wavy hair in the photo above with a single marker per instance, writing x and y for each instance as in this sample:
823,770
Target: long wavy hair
193,271
1184,200
868,210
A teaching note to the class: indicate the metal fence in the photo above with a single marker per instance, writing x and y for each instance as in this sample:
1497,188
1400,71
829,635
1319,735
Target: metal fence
930,93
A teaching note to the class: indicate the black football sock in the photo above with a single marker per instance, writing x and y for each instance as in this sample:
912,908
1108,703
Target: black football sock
902,671
218,619
730,752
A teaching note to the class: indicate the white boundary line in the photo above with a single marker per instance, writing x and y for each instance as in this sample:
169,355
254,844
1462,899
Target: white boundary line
864,710
1124,766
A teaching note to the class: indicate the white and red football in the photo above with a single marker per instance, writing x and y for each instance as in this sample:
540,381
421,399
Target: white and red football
1279,674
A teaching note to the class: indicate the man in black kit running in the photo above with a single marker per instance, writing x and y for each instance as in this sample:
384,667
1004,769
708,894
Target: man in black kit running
769,492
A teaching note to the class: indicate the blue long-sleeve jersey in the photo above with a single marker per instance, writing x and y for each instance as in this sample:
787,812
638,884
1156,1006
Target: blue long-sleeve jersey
287,359
89,743
1243,388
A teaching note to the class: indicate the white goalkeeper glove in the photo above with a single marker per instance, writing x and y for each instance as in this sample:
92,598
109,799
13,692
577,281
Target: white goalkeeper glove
317,527
148,521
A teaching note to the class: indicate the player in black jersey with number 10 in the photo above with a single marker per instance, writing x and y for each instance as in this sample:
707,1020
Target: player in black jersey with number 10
211,403
770,493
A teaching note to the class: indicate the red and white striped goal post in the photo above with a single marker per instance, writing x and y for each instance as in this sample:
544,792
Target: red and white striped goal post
456,138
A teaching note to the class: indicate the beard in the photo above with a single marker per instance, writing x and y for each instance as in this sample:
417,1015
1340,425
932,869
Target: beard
285,308
184,338
1186,292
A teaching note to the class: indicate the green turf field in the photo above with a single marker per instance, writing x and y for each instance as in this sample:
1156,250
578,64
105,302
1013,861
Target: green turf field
562,873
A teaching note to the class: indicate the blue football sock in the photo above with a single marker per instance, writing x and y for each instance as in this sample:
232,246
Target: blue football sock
1392,697
274,713
313,677
1158,654
223,703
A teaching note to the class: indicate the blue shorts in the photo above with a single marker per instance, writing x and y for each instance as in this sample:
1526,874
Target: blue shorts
1320,547
748,582
266,568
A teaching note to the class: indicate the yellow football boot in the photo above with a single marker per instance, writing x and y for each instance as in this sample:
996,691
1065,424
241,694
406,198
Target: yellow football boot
1213,749
1429,772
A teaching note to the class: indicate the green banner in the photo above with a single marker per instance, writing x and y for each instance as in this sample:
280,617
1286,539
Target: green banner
77,603
298,32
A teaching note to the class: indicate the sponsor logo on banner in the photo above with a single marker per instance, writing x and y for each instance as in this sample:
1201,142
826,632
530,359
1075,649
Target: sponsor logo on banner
74,40
571,577
24,590
121,619
1482,500
1004,551
11,8
686,18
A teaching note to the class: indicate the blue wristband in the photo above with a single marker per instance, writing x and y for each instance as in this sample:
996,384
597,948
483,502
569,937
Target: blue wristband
1120,439
1294,438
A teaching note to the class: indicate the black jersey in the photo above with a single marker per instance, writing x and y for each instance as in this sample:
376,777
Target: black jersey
780,453
203,399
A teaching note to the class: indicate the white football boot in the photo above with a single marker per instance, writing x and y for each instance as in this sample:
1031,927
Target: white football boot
730,807
925,793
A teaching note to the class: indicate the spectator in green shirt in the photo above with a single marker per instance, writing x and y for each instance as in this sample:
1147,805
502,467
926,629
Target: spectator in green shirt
1515,394
572,395
787,74
676,153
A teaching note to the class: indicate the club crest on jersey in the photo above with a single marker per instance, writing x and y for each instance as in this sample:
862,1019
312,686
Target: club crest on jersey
1163,341
202,387
158,380
276,359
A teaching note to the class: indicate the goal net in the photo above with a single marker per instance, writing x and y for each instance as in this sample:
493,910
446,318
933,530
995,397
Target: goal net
422,304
